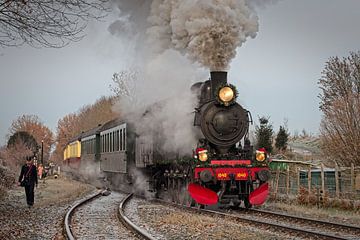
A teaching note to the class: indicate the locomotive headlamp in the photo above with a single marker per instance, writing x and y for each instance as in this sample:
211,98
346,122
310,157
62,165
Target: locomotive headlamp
260,155
227,94
203,154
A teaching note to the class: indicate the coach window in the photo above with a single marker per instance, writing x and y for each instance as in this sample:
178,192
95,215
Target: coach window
103,143
110,142
124,140
113,142
106,143
117,141
109,136
121,140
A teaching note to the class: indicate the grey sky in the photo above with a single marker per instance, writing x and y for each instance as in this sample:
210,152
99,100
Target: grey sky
276,73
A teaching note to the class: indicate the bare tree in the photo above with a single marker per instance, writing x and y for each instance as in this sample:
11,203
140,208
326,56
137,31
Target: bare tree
124,84
15,155
47,23
340,104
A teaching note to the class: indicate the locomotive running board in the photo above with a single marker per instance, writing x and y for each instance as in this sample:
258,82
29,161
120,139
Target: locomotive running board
259,195
202,195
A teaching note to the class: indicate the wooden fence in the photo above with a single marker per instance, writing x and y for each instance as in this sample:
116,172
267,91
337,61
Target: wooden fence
290,178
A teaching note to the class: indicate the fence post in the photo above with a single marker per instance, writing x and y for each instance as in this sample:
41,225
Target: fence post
352,179
298,180
337,185
277,182
309,180
287,179
322,180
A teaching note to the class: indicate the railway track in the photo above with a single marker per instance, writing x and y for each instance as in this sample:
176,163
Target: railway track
97,217
327,228
287,224
141,232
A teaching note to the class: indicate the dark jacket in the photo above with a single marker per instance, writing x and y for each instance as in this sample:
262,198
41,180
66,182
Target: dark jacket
32,175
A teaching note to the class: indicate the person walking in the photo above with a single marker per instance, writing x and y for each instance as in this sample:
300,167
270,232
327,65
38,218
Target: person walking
28,179
40,171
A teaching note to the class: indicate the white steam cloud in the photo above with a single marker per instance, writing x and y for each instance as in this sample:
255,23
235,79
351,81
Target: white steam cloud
165,81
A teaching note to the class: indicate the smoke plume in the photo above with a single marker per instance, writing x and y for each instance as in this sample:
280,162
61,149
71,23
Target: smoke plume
207,31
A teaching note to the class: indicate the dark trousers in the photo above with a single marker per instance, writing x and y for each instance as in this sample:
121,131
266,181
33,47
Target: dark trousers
29,190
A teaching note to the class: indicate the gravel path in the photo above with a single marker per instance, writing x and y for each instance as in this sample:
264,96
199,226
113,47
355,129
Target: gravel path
43,221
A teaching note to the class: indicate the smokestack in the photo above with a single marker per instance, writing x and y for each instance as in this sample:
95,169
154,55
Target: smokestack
217,79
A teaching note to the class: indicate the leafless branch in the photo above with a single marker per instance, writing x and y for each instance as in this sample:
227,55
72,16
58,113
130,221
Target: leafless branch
47,23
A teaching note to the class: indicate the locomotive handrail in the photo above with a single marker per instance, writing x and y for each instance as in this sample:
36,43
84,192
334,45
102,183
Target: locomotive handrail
251,119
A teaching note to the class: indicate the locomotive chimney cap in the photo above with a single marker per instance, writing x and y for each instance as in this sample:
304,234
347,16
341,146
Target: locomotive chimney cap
217,79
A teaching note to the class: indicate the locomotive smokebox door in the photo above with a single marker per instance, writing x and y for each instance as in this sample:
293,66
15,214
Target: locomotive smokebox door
224,126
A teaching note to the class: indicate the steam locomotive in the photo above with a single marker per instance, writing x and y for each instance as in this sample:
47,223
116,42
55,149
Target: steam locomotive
223,169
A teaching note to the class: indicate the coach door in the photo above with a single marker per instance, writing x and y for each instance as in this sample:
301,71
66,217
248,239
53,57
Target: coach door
144,151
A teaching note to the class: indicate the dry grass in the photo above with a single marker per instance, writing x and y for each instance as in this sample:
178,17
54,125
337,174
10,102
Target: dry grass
335,214
55,191
173,223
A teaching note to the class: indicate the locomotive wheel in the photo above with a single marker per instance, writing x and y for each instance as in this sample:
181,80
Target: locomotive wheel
189,202
247,203
199,206
235,206
179,191
173,192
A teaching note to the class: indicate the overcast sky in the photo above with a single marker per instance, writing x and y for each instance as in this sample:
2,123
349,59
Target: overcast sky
276,73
